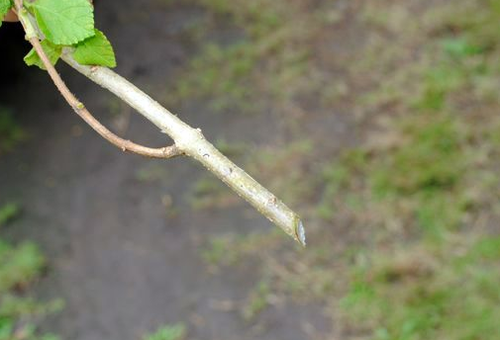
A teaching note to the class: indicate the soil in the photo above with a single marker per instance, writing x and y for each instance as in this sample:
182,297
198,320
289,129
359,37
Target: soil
123,261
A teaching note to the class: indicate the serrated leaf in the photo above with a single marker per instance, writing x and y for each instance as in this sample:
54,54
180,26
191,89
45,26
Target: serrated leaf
64,22
96,50
5,5
52,51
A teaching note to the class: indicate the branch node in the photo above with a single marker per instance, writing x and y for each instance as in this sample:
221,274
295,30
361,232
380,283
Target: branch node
171,151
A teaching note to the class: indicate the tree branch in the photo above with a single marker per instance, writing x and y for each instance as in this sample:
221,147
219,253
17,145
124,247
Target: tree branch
187,140
193,143
79,108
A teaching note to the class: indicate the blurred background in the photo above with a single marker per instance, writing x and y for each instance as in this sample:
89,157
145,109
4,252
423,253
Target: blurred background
376,120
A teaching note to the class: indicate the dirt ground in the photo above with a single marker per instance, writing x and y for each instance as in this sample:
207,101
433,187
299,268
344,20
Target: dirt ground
124,253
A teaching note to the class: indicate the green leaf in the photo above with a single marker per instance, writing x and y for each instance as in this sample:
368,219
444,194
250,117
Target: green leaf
96,50
5,5
52,51
64,22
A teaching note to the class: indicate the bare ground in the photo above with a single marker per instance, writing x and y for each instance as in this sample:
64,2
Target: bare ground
124,253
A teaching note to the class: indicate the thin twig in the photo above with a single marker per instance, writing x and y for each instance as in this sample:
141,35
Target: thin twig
79,108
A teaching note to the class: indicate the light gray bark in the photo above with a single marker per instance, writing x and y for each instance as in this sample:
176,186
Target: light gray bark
192,142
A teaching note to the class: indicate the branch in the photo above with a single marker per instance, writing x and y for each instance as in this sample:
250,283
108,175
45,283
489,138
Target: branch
188,141
193,143
79,108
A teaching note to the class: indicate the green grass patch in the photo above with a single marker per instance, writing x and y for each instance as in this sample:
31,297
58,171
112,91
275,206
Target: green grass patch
391,220
259,18
337,184
269,61
439,294
11,133
427,172
8,212
431,180
257,301
425,175
229,249
19,266
168,332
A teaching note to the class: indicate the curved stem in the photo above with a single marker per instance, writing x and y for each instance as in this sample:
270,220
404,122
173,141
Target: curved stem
79,108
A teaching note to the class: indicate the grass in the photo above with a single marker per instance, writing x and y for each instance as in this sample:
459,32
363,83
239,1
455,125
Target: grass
8,212
401,238
430,170
335,177
168,332
428,173
439,285
440,294
230,249
268,61
10,132
19,266
258,300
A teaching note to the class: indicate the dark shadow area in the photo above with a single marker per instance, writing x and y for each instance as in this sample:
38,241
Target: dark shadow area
13,49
